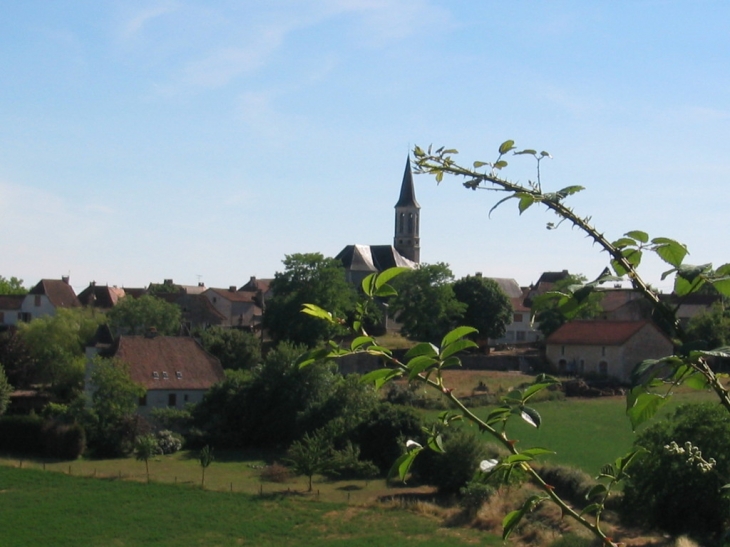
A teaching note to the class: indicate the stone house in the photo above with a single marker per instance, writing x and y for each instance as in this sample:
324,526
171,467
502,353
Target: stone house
239,308
608,348
174,370
46,297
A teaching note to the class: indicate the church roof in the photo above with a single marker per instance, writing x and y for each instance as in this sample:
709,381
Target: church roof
407,191
372,258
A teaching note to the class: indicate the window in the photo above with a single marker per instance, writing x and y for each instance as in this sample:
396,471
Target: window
603,368
185,397
520,336
37,300
410,223
143,400
172,399
178,374
562,350
165,376
402,223
603,351
155,375
2,317
517,318
562,366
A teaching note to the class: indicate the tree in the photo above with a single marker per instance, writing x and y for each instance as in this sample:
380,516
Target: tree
307,278
139,315
56,344
488,309
5,390
236,349
313,455
710,328
550,315
145,447
673,488
426,305
12,286
205,457
114,400
17,359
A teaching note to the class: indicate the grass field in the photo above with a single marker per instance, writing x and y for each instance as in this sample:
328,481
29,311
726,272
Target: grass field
53,509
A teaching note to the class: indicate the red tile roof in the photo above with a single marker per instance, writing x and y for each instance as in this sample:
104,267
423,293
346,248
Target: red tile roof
235,296
169,362
596,333
58,291
11,301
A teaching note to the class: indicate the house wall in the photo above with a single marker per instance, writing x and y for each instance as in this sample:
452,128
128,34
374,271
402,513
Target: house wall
648,343
160,398
518,331
37,305
584,359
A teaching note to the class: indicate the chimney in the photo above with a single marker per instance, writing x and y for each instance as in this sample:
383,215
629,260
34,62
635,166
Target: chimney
167,282
151,332
201,284
65,279
478,274
232,288
92,284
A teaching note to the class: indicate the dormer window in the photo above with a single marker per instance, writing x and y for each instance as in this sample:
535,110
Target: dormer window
179,375
165,376
155,376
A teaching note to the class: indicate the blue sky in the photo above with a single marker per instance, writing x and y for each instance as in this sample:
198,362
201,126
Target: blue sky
206,140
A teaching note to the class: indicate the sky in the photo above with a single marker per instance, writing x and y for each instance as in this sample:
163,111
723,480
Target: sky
204,141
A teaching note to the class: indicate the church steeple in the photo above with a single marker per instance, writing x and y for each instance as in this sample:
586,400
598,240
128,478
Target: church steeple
407,212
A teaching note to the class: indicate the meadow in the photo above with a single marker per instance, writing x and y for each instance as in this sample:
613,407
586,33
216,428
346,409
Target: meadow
53,509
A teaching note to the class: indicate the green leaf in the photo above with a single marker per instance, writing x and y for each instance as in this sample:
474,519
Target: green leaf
380,376
499,414
644,408
456,347
510,521
624,242
478,164
533,389
590,509
435,443
506,146
696,381
457,334
500,164
316,311
544,154
310,357
526,200
531,416
722,285
378,350
385,291
517,458
424,348
361,341
386,275
624,462
450,151
638,235
403,464
526,151
368,284
419,364
452,361
537,451
669,251
569,191
597,490
500,202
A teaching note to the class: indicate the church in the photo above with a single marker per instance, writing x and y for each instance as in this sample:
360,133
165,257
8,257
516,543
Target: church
362,260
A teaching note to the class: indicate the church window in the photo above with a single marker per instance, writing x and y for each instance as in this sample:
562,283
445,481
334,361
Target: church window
402,222
410,223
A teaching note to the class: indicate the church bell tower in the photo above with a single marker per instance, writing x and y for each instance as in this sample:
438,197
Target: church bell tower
407,219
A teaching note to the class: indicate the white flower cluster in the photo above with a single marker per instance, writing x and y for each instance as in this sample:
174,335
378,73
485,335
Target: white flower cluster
694,455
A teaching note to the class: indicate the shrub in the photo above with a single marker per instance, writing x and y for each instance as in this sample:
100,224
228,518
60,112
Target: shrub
168,442
275,473
474,495
32,435
455,467
668,491
63,441
569,482
346,464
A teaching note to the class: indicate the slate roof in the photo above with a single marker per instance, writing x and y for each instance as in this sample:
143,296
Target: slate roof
178,362
510,287
11,301
58,291
234,295
372,258
407,190
597,333
254,285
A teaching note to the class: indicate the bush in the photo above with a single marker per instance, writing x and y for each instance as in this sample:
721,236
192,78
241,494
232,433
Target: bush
34,436
569,482
455,467
275,473
474,495
168,442
63,441
668,492
346,464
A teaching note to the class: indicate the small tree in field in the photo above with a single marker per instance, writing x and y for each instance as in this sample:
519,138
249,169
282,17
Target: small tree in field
205,458
145,447
311,456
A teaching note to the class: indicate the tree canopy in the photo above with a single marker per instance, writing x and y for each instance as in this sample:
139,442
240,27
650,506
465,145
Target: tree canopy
236,349
12,286
488,309
138,315
548,314
426,305
308,278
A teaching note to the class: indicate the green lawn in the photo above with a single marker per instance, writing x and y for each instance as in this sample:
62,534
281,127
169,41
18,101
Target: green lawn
52,509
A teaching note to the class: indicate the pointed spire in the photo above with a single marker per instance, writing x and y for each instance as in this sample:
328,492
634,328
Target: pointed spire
407,191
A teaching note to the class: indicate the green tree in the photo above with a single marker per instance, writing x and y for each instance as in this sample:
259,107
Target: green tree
550,315
426,305
110,419
56,343
710,328
146,447
236,349
307,278
12,286
17,359
139,315
5,390
488,309
205,458
312,455
671,488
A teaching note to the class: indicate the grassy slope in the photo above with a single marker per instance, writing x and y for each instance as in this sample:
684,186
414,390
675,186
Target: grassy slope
44,508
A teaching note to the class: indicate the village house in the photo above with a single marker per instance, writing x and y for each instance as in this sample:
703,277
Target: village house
238,308
607,348
174,370
43,299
